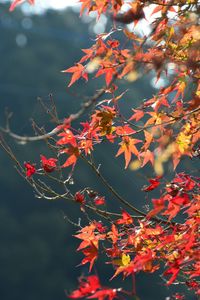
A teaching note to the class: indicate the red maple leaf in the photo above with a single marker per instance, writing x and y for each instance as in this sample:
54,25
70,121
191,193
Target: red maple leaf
91,254
159,205
171,211
48,164
154,183
79,197
87,285
30,169
91,288
99,200
126,219
174,270
100,227
182,199
127,146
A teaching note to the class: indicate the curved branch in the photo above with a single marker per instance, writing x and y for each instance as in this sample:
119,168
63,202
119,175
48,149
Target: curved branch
72,117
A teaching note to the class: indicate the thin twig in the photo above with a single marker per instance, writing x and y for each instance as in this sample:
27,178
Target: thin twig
121,199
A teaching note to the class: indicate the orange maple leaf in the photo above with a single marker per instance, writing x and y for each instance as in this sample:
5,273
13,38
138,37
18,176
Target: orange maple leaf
124,130
86,234
126,219
109,73
171,211
78,72
67,138
147,156
148,139
113,234
138,114
128,148
73,153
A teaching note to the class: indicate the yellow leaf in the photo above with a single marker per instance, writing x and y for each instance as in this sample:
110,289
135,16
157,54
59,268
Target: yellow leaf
123,261
183,141
126,259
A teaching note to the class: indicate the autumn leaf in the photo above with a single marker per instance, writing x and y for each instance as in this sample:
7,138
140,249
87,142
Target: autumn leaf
126,270
79,197
113,234
138,114
181,200
30,169
168,124
171,211
91,254
67,137
157,119
48,164
183,141
174,270
124,130
142,261
159,205
123,261
78,71
86,234
73,153
148,140
127,146
89,236
109,73
178,296
113,43
87,285
102,120
126,219
154,231
100,227
146,156
91,288
135,165
154,183
99,200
